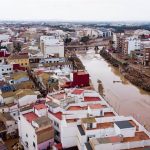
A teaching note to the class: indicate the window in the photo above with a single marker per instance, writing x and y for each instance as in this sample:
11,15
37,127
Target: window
26,143
33,144
89,126
56,124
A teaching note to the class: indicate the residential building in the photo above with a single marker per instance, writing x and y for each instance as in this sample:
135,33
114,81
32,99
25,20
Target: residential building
35,128
118,39
82,118
19,77
6,69
105,33
131,44
21,59
115,133
51,46
78,78
66,108
8,125
146,58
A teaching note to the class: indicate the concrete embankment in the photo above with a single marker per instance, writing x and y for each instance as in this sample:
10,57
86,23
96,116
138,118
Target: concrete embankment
133,75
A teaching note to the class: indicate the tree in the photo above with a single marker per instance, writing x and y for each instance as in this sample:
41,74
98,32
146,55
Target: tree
17,47
84,39
67,40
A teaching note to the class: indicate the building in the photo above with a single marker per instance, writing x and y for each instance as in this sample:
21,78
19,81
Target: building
66,108
19,77
146,58
82,118
6,69
118,40
25,97
78,78
131,44
4,37
21,59
122,134
105,33
51,46
8,45
35,128
8,126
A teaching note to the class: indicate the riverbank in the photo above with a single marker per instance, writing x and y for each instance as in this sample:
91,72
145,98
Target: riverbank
77,64
133,75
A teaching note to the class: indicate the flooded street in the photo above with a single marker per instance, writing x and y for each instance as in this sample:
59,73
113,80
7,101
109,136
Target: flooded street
124,97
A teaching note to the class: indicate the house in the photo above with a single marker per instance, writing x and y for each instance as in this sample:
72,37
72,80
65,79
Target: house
4,86
25,97
39,132
21,59
8,124
19,77
6,69
78,78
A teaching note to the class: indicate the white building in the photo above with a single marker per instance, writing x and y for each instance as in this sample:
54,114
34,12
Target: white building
35,128
141,32
4,37
26,99
67,108
105,32
52,46
92,33
8,124
134,43
82,118
6,69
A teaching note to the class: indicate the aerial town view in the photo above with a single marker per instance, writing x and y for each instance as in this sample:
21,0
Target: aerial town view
74,75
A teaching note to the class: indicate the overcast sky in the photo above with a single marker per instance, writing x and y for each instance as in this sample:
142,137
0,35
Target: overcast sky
75,10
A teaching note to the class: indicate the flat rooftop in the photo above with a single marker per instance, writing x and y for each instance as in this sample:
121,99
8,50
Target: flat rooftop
124,124
91,99
58,115
59,96
139,136
30,116
72,108
78,91
96,106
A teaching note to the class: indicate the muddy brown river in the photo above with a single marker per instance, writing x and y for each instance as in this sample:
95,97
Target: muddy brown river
124,97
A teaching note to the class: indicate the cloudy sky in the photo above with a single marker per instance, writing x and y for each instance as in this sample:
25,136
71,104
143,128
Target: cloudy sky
75,10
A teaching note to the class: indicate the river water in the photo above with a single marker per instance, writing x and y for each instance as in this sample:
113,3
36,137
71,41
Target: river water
124,97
